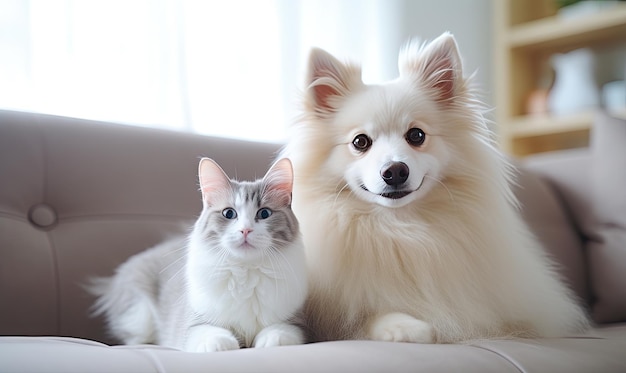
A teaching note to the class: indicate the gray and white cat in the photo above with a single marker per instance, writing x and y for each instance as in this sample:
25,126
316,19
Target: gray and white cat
238,279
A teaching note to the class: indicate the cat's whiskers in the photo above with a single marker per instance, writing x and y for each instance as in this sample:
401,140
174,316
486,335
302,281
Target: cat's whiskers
279,254
176,261
176,251
270,253
175,275
222,253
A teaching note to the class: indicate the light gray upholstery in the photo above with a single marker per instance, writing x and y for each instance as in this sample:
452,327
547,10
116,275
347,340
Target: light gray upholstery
77,198
100,192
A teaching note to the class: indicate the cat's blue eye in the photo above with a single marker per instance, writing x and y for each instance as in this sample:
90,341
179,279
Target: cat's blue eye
229,213
263,213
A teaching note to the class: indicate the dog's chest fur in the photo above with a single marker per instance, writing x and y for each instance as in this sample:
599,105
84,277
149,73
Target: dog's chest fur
368,264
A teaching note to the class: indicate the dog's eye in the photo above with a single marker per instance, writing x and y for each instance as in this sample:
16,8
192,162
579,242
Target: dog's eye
415,137
362,142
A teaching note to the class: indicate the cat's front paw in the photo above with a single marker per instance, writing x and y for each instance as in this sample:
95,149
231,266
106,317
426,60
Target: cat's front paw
205,338
217,343
400,327
279,335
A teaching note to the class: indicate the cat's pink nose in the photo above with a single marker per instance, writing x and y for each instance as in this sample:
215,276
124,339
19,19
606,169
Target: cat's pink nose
245,232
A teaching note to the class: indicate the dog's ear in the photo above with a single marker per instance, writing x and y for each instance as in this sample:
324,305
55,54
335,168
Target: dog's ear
437,64
328,81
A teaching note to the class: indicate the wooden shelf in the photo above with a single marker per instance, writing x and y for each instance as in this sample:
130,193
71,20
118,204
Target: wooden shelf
568,33
528,126
527,33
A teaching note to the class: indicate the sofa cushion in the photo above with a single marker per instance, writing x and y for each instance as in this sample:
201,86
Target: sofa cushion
548,219
561,170
607,247
583,353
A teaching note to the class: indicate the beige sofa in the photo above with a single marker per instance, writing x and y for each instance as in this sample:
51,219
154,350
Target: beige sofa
77,198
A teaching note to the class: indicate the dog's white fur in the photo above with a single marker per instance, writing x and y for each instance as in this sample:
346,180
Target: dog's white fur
449,262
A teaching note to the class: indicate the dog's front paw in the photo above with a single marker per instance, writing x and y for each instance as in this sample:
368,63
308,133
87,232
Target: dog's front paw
279,335
400,327
206,338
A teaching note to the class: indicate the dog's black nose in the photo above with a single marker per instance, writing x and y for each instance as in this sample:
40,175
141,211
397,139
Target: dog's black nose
395,173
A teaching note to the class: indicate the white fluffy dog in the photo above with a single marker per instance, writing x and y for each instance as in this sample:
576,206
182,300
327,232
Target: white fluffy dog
411,228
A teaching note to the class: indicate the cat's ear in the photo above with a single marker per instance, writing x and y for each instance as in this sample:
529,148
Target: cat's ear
212,179
278,181
437,65
328,81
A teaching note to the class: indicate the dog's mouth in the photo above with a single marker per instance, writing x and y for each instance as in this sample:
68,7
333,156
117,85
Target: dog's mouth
391,195
394,194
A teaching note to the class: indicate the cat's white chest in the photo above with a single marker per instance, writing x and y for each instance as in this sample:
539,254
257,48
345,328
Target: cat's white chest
244,295
244,298
241,286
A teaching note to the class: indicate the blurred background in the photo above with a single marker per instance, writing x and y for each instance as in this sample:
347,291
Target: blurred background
231,68
235,68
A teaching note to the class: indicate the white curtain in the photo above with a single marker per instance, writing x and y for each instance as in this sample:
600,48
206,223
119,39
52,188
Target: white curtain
229,68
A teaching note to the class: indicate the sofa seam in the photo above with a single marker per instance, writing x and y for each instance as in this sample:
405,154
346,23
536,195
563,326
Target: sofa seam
22,218
13,216
502,356
44,198
156,362
118,216
53,248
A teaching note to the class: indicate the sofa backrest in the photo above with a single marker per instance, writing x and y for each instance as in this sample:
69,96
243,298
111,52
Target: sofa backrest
555,201
79,197
592,185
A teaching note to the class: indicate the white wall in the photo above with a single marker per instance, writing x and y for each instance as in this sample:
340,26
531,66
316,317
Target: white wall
169,59
470,21
371,32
